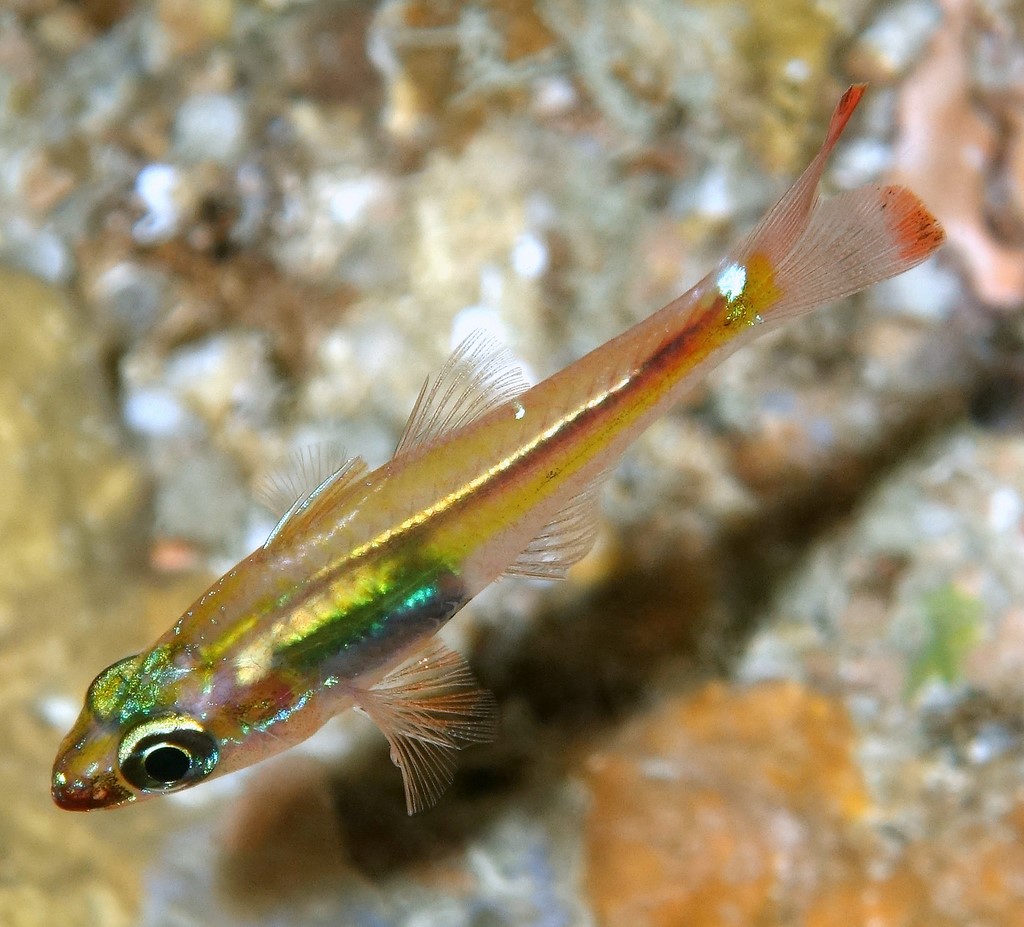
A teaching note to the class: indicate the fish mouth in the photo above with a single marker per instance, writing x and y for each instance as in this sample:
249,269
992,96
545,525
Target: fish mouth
88,796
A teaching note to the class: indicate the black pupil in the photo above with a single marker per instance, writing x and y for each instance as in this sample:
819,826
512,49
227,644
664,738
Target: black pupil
166,764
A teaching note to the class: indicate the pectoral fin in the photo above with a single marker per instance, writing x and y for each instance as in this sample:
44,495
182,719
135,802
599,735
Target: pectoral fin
428,708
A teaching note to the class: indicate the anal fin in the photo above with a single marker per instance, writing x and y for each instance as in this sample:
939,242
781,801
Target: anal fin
564,540
428,708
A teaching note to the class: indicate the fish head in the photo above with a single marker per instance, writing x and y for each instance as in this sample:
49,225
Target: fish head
132,741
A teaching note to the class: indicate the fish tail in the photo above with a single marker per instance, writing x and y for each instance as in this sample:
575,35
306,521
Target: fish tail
818,251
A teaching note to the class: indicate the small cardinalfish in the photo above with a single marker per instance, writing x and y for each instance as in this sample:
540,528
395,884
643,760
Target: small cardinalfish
340,607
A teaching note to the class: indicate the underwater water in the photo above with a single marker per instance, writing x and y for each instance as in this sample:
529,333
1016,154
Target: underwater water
785,688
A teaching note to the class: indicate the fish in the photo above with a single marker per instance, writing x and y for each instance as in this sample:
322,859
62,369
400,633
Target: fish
340,607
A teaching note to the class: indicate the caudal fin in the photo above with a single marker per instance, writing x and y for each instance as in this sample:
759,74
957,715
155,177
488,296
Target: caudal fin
820,251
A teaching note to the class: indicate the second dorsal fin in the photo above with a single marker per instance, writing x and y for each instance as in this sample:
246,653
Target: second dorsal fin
479,375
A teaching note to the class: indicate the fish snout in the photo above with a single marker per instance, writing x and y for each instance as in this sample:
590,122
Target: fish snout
84,795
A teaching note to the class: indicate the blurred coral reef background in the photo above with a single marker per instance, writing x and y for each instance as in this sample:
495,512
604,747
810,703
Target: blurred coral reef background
787,686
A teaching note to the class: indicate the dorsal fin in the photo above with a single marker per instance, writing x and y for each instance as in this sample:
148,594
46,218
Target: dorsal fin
564,540
294,478
428,708
313,474
479,375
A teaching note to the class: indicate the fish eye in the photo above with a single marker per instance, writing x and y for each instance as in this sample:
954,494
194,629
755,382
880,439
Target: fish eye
167,753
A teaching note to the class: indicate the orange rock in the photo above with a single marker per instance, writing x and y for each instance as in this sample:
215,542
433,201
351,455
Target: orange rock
977,871
965,875
902,900
706,804
798,742
745,806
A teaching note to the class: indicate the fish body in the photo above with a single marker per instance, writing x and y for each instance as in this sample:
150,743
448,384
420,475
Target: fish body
341,605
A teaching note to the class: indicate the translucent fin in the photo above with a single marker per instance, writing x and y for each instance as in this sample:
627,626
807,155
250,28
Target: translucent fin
479,376
852,241
805,253
428,708
301,514
785,222
299,474
564,540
